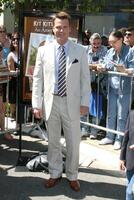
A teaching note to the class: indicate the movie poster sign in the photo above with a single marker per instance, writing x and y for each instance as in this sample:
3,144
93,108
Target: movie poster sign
37,30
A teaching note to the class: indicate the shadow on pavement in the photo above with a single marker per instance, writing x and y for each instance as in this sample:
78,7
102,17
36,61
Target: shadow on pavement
14,187
24,185
9,150
105,172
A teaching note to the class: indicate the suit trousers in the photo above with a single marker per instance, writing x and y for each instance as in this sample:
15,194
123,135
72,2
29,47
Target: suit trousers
59,118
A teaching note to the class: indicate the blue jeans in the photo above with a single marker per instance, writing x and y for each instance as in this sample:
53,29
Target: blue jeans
118,108
92,129
130,190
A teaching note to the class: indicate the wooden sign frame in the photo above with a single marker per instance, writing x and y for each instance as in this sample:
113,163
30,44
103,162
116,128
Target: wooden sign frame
35,29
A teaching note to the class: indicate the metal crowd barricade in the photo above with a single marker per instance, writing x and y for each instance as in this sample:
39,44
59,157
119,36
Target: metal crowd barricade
10,125
97,126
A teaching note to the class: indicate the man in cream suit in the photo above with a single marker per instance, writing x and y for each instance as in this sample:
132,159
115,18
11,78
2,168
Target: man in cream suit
61,111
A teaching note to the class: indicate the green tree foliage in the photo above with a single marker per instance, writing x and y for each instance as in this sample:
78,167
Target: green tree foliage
93,5
79,5
56,5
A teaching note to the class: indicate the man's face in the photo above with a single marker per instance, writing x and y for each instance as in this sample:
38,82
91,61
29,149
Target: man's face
61,30
129,38
96,43
15,40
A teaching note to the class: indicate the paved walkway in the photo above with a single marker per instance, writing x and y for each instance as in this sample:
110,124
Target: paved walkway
99,175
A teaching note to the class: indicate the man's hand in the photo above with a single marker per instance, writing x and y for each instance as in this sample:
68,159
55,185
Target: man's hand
37,113
93,66
122,165
121,68
101,68
84,110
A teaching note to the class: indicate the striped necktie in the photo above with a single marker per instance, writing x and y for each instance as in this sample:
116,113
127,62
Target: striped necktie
62,73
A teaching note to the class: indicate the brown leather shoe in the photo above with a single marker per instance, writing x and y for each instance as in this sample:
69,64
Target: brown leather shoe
51,182
75,185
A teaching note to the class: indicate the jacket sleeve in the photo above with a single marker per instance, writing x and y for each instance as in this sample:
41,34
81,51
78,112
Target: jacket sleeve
85,80
125,141
37,89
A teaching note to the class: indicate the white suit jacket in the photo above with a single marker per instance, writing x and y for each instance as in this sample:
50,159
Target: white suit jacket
77,77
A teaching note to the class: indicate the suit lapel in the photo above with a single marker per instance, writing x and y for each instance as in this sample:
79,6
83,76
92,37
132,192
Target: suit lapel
71,55
50,57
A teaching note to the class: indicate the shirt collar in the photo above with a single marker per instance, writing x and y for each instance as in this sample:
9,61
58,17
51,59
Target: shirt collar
57,45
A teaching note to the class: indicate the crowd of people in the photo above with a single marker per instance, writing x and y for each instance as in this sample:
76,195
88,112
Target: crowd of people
8,63
118,57
66,100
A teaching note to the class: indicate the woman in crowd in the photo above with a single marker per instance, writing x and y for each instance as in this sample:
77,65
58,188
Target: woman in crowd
12,63
119,58
5,43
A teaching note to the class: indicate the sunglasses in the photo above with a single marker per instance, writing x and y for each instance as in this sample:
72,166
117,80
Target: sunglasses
127,34
2,31
15,39
113,41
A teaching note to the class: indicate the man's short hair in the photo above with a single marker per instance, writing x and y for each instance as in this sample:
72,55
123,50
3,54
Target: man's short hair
95,36
62,15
